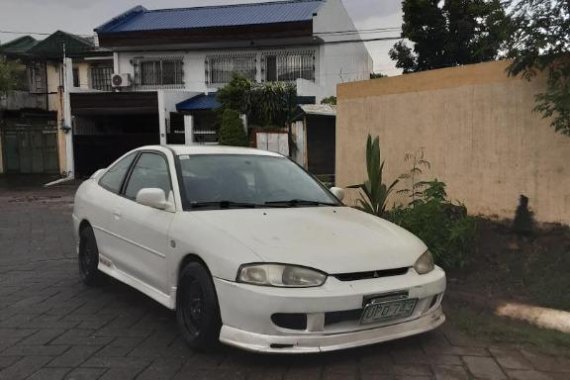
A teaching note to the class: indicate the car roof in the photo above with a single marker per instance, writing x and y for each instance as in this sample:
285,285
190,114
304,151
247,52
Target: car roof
213,149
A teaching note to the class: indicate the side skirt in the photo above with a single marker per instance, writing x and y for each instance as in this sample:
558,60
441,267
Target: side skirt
107,267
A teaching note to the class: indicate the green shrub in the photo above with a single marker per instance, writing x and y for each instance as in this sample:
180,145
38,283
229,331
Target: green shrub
231,129
272,103
445,227
374,192
265,104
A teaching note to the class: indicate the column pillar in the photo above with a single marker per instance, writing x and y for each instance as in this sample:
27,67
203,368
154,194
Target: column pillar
188,130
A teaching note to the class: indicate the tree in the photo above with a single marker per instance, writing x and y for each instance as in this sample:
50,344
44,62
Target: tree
9,79
265,104
231,129
272,103
450,33
541,43
377,75
234,95
331,100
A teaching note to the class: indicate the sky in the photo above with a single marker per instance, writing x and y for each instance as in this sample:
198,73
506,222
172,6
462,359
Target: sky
82,16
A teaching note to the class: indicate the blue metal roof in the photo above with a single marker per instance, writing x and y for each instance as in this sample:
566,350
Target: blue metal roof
142,19
199,103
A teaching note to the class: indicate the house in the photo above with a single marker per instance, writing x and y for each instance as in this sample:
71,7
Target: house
168,63
32,130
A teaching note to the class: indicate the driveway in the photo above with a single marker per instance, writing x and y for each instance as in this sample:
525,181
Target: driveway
53,327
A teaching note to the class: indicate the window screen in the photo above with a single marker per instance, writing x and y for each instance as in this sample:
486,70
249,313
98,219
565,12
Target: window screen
161,72
290,66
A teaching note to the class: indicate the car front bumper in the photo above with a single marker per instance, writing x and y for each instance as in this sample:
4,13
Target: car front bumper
246,312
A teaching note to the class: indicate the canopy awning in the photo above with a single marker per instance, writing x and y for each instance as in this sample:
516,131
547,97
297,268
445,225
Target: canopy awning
202,102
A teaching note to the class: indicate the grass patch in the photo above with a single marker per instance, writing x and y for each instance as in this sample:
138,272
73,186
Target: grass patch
483,325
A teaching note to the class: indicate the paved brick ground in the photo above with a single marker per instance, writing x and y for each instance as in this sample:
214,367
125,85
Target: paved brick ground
52,327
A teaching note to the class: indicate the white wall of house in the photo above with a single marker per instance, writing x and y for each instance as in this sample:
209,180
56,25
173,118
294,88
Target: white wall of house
334,62
342,61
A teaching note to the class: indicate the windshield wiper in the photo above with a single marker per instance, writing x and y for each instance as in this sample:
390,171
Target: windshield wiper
223,204
299,202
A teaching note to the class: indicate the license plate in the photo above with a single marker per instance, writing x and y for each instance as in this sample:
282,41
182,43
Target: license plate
387,311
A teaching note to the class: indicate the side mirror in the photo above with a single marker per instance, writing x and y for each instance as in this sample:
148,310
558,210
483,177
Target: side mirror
152,197
337,192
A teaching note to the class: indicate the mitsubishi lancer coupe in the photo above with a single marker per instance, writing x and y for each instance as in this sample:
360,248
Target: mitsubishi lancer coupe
252,251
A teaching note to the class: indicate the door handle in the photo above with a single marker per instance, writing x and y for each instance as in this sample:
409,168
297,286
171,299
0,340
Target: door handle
117,214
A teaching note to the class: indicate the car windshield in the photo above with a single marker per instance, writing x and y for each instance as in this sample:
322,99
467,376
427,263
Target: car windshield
214,181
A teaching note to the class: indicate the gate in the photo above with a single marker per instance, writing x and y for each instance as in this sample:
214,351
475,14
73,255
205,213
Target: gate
30,149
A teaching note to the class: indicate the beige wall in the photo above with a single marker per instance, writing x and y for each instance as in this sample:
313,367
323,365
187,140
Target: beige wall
56,100
55,104
53,83
476,127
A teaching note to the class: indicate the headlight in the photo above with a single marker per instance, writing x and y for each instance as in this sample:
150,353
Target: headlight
281,275
424,264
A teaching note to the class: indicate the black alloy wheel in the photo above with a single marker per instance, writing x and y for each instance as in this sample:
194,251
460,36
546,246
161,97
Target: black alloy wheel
197,310
88,258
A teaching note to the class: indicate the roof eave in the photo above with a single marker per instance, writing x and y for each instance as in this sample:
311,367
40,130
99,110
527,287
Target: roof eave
210,34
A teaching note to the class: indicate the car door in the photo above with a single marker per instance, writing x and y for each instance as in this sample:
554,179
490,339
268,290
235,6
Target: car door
104,202
143,242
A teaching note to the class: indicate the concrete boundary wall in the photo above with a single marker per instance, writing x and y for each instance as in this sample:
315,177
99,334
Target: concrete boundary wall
476,127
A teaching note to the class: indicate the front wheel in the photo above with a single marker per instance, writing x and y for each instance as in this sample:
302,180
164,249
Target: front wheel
88,258
197,310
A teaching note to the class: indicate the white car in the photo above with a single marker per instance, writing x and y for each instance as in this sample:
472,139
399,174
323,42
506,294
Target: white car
252,251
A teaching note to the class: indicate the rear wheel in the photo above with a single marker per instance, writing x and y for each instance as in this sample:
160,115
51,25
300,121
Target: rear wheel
197,310
88,257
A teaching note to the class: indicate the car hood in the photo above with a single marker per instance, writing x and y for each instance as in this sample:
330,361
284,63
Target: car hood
332,239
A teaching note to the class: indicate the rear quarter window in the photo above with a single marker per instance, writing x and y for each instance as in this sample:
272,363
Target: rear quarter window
113,178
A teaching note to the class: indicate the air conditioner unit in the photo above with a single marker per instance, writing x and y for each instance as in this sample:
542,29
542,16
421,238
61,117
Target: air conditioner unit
121,80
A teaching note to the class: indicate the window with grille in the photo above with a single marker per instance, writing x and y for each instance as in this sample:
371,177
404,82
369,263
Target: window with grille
289,66
221,69
161,72
101,77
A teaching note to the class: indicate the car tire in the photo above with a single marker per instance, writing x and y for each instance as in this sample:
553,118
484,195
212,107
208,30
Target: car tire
89,258
197,310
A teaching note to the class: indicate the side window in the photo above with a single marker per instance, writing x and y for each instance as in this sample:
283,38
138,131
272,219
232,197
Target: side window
151,170
113,179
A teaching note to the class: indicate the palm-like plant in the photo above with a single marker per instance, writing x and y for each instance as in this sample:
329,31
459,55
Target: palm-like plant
374,192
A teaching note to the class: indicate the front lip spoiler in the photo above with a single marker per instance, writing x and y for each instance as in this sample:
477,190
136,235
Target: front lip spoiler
293,344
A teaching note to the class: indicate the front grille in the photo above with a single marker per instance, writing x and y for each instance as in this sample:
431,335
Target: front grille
371,274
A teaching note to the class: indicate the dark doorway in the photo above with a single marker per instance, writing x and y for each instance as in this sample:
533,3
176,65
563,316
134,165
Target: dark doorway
100,139
175,131
321,146
108,124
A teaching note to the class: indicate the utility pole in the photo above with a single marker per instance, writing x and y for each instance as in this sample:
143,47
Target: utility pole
67,122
